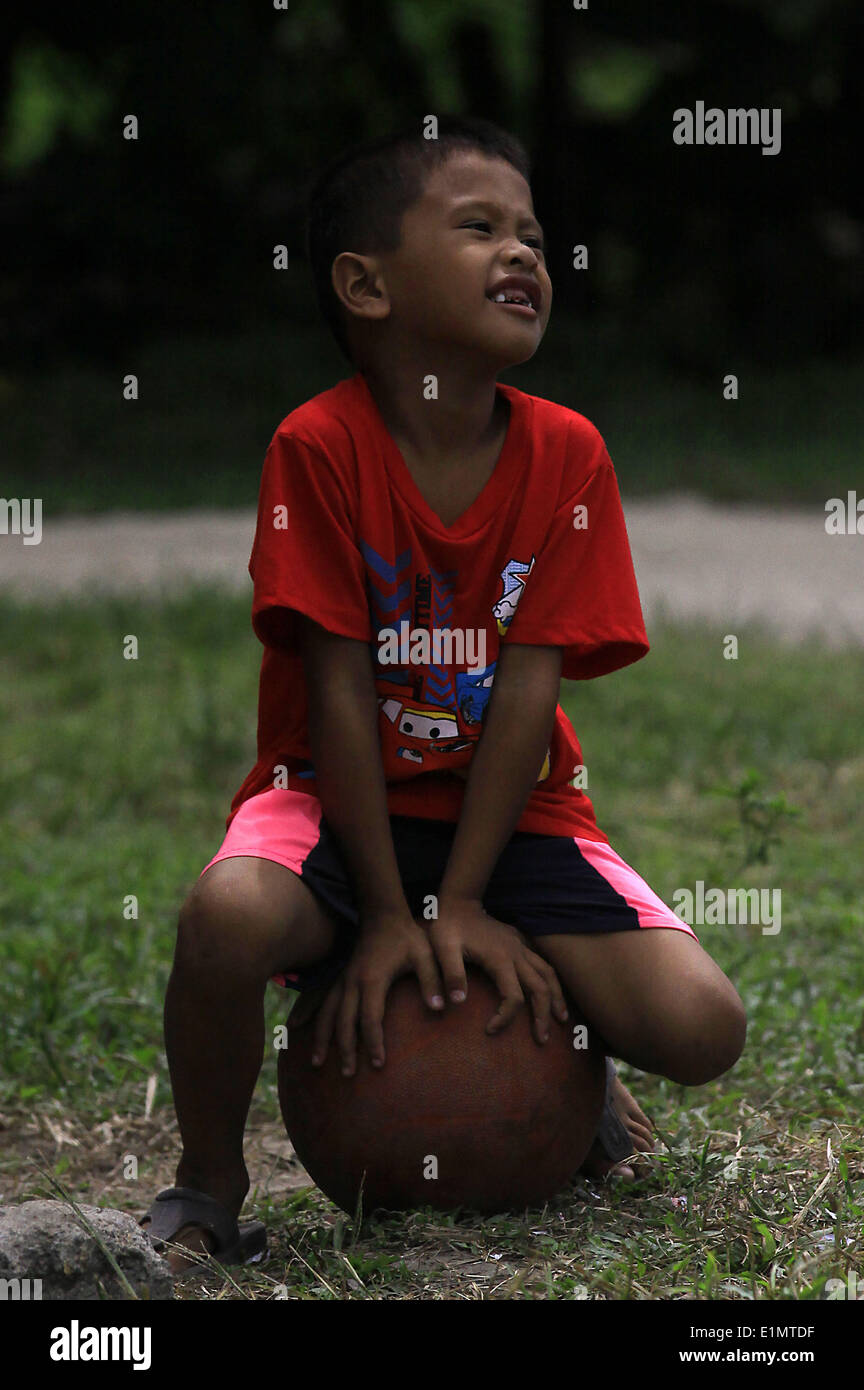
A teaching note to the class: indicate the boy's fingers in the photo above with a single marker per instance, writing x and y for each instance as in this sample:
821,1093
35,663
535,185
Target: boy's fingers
324,1024
372,1006
449,954
512,998
534,984
426,968
346,1028
559,1003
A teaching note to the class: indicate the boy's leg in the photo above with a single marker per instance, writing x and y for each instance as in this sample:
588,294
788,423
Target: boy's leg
658,1001
245,919
650,991
655,996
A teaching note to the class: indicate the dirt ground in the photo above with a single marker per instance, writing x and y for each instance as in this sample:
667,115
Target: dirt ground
694,559
96,1157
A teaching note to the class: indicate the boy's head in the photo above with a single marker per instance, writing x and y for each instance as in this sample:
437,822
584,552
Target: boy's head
411,238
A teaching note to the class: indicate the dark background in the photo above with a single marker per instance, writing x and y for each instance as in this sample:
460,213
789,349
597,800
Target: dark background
155,256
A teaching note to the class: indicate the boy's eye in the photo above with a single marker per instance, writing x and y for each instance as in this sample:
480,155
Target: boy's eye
530,240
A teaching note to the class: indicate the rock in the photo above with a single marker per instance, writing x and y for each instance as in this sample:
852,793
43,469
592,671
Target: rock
46,1241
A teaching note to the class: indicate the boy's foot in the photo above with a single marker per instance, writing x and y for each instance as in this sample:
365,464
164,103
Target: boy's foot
196,1221
194,1239
598,1164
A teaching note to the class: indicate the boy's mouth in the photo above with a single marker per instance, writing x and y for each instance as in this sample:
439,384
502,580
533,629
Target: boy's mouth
518,293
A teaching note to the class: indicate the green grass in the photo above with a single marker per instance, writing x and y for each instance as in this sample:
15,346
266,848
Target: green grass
116,778
209,406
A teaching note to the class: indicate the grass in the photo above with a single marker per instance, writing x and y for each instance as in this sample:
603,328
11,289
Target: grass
76,443
116,777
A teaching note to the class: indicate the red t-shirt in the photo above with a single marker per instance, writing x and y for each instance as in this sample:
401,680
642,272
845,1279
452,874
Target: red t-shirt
345,536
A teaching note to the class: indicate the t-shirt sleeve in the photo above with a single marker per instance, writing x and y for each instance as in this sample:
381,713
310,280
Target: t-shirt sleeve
305,558
581,593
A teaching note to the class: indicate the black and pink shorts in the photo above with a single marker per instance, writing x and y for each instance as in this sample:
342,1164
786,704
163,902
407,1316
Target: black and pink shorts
541,884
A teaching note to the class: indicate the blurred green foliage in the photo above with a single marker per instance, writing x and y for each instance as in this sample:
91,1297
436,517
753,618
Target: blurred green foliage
710,251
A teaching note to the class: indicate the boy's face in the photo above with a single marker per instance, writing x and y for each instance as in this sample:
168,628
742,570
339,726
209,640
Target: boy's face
472,229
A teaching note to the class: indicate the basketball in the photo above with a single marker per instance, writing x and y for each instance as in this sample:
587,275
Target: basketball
454,1117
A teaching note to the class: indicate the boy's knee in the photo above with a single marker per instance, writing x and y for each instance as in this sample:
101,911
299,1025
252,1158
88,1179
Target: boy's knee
710,1038
226,921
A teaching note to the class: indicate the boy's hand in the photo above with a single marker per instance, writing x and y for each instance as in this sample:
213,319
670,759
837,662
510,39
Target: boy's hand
387,949
464,931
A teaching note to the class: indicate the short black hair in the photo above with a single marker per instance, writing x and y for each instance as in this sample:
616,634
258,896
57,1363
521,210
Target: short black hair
358,201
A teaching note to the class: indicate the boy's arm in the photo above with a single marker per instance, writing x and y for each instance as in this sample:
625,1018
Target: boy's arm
503,772
346,754
505,766
349,774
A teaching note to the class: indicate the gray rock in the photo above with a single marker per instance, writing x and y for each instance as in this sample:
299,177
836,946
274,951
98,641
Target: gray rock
46,1241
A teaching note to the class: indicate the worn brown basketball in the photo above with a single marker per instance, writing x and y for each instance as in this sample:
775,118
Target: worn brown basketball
454,1117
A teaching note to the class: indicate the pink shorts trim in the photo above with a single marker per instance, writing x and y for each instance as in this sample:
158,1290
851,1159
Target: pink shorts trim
651,910
278,824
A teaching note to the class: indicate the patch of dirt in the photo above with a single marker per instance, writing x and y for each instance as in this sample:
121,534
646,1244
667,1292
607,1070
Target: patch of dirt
94,1163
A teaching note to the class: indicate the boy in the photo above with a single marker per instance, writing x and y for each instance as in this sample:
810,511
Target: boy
434,550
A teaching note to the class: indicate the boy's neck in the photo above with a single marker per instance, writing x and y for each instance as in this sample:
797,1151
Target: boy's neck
467,420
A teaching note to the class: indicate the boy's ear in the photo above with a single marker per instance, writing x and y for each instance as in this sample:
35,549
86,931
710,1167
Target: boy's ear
358,281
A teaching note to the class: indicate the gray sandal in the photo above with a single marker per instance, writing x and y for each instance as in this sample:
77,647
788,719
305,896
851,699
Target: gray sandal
177,1207
612,1133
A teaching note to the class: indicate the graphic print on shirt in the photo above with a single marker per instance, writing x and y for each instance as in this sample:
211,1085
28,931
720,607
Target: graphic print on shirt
425,714
439,682
425,718
513,577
